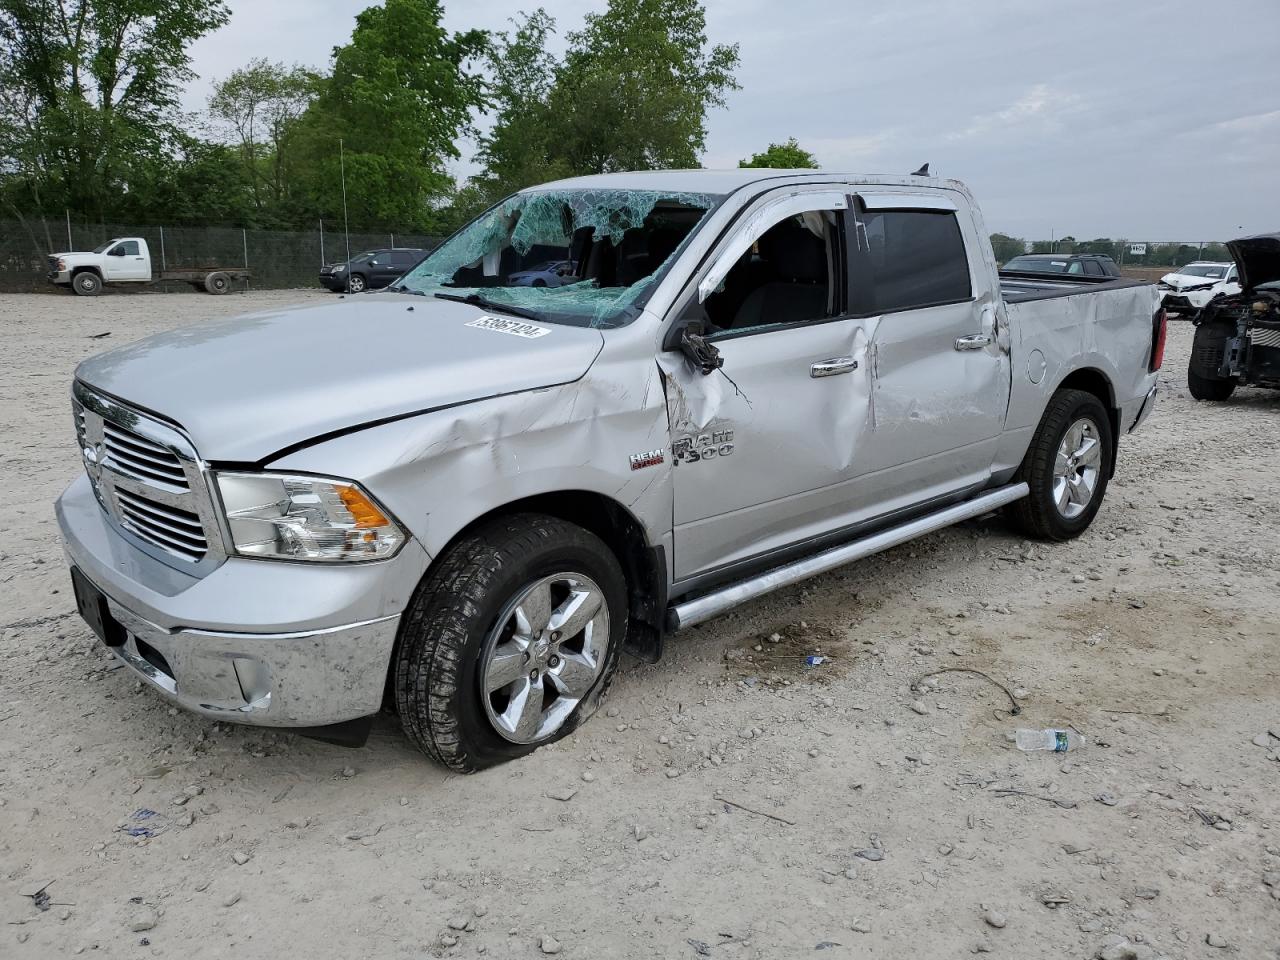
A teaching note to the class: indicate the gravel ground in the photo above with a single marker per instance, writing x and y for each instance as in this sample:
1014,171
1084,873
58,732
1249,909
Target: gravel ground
729,802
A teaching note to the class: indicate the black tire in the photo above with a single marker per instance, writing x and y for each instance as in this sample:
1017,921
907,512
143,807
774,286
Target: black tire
356,283
444,632
1038,515
1208,348
217,283
86,283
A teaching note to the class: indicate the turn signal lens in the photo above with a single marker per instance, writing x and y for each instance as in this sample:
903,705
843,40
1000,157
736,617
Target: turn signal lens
366,515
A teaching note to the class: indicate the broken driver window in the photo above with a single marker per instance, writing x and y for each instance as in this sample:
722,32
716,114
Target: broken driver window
582,257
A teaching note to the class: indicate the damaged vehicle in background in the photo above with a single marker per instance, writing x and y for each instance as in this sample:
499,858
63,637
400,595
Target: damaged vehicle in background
1187,289
466,497
1237,338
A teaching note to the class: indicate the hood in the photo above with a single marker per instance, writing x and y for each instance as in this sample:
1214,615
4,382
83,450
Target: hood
1258,259
246,388
1184,280
73,255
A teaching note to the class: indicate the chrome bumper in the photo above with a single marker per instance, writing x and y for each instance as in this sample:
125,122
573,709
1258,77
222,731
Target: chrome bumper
258,642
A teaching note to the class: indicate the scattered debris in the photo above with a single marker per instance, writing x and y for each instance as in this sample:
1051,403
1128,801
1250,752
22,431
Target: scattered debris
145,823
758,813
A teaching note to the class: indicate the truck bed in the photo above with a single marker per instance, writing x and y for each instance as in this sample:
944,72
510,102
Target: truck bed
1019,287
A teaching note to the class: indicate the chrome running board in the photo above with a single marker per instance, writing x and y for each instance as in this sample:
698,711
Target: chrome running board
726,598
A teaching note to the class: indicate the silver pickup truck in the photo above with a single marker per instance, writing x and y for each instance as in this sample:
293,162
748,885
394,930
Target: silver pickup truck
465,496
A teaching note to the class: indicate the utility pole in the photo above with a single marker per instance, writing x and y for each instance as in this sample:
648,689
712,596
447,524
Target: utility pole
346,227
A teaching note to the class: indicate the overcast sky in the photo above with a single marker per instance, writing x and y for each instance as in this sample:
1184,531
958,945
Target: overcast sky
1117,118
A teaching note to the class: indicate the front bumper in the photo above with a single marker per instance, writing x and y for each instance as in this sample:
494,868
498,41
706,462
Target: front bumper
260,642
1187,301
333,281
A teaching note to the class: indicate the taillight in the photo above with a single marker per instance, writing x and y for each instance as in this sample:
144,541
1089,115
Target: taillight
1159,331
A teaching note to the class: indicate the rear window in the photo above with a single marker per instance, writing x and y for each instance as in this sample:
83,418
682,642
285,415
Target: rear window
908,259
1038,264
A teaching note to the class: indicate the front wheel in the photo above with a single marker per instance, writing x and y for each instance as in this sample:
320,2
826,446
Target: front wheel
509,643
1067,467
356,283
86,284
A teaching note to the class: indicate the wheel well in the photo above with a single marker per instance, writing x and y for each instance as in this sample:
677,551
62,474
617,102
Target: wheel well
1094,381
76,271
644,565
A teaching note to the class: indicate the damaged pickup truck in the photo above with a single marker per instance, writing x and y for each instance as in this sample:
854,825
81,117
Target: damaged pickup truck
1237,339
464,497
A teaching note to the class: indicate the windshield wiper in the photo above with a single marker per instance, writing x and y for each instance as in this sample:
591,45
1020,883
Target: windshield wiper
478,301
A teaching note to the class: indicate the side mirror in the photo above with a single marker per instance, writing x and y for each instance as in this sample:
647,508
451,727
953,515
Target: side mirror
688,336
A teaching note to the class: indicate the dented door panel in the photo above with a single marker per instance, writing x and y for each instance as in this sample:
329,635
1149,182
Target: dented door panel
763,448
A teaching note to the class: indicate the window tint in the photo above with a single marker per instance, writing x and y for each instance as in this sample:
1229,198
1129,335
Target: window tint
128,248
904,259
1093,268
406,258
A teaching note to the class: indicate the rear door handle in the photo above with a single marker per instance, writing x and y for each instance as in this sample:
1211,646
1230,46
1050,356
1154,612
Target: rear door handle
833,367
975,342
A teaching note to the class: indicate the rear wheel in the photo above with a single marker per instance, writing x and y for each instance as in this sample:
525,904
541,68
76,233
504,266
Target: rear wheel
509,643
86,284
217,283
1067,467
1207,352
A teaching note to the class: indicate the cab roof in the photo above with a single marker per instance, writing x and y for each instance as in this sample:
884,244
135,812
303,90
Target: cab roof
723,182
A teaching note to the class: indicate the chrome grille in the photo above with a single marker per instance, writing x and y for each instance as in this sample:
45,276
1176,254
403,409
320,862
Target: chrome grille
178,531
1265,336
142,457
148,480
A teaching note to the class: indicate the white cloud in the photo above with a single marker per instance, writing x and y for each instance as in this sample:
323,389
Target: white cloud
1042,107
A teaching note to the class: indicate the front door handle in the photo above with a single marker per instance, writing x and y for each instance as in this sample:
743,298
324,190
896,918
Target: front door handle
833,367
975,342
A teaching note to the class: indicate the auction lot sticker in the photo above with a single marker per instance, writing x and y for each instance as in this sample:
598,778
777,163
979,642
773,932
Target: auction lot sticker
517,328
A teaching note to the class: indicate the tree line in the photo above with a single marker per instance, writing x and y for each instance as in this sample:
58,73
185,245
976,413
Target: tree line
1156,254
91,120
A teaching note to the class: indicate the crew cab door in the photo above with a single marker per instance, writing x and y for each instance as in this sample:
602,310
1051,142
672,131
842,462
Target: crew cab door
127,260
761,446
939,360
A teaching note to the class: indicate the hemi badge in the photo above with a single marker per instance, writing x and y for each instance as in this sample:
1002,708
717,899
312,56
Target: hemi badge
649,459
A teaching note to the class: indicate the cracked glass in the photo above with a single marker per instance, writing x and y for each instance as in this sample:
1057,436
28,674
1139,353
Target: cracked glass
580,257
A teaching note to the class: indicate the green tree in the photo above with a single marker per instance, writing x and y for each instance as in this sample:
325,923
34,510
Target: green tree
635,86
520,148
90,90
259,106
400,95
783,156
1007,247
631,93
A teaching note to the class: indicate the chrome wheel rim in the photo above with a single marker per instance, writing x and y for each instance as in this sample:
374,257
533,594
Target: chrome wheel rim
356,284
543,656
1077,467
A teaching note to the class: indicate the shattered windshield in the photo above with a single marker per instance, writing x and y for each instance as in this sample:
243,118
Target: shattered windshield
581,257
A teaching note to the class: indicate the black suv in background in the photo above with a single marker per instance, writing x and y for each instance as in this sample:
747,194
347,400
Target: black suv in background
1076,264
370,270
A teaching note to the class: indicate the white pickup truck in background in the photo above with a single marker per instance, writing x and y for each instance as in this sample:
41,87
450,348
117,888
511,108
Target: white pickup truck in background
124,260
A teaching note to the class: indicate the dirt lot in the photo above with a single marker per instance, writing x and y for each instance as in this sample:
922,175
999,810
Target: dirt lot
729,802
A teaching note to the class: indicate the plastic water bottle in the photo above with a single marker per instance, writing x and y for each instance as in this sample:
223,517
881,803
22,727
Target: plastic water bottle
1059,741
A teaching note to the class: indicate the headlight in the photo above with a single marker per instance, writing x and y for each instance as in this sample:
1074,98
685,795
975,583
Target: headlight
340,268
288,517
62,265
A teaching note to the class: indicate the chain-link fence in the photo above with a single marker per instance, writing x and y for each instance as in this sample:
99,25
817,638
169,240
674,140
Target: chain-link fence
275,258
